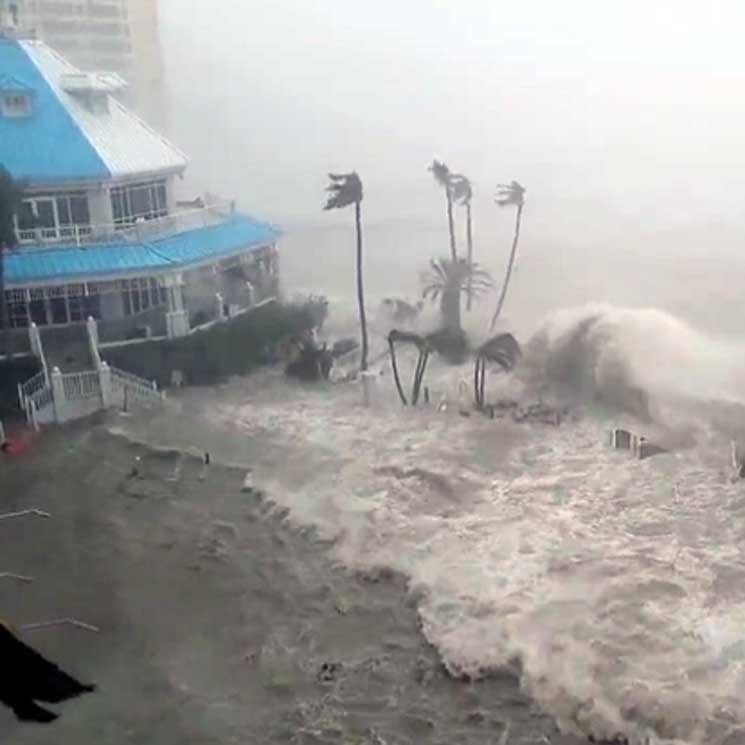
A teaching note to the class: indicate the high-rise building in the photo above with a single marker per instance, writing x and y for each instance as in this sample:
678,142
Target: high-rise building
118,36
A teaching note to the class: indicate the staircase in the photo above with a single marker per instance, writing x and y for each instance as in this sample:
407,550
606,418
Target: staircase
74,382
67,347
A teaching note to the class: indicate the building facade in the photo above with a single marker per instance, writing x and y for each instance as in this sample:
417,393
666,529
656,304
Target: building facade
119,36
100,234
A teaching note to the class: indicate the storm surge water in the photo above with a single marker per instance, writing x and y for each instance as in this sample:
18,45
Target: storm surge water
613,588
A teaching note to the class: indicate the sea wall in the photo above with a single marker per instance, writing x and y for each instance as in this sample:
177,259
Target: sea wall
232,347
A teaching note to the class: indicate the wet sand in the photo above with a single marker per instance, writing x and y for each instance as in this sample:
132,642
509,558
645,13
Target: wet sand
216,617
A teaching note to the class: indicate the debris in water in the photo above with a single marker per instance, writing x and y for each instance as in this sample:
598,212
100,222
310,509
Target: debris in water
329,671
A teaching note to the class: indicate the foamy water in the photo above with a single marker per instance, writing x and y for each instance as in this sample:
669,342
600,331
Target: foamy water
617,587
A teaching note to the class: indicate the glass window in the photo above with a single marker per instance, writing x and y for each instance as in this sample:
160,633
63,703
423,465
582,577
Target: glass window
79,209
92,306
26,217
63,210
134,201
75,304
38,312
58,306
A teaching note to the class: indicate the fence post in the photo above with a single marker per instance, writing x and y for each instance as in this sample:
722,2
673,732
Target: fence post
20,396
220,306
104,378
58,395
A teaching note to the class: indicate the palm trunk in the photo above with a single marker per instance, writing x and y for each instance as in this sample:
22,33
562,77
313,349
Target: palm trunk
450,307
511,263
360,286
469,239
451,224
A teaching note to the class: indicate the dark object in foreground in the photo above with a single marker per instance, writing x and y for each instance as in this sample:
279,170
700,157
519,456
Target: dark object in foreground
26,677
309,362
502,350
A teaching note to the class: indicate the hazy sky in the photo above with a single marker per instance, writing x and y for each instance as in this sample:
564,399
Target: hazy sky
633,106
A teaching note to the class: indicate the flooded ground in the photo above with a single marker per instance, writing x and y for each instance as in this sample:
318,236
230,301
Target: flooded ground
454,573
219,622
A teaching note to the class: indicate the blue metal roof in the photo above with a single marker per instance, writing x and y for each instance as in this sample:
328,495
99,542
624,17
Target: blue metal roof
13,84
47,146
73,263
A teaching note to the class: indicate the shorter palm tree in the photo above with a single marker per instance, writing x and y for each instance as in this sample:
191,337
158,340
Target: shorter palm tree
344,190
512,194
447,280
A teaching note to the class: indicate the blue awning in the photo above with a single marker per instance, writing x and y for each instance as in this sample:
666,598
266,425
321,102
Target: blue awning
72,263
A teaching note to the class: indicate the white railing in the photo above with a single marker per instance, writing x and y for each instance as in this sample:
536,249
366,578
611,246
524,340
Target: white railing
137,232
134,387
81,385
31,386
41,398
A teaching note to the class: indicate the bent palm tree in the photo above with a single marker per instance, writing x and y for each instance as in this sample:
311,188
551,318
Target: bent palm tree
10,199
463,193
346,189
445,179
509,194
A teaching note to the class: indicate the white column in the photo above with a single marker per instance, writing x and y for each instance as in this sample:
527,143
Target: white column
177,319
220,303
58,395
104,377
93,339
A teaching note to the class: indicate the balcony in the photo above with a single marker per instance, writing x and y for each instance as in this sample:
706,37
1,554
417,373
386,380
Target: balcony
142,231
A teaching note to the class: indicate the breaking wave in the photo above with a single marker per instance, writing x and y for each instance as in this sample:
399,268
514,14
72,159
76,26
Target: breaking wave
645,362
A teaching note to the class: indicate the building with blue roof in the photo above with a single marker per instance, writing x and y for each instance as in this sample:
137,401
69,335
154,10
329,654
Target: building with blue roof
100,233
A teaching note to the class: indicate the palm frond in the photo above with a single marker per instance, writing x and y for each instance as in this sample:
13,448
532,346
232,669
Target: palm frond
344,189
462,188
441,173
510,194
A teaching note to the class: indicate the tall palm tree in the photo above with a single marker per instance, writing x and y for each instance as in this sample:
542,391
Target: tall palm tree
11,193
445,179
346,189
512,194
463,194
446,281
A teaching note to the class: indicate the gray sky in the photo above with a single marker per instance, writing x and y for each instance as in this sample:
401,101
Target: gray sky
631,111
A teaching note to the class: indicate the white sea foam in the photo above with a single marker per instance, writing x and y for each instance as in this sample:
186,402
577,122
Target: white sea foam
618,585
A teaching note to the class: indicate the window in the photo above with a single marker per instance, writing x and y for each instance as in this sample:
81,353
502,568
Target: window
17,308
50,217
132,202
15,105
141,294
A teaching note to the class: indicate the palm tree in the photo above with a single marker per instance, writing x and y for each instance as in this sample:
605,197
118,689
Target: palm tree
447,280
463,193
445,179
10,198
346,189
507,195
